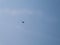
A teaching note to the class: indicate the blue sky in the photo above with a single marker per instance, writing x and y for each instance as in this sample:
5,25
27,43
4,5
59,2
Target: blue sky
41,27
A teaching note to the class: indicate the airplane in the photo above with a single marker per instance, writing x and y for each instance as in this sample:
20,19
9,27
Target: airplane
22,21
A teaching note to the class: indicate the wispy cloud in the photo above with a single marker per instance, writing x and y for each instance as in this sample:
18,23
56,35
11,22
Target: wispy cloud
15,11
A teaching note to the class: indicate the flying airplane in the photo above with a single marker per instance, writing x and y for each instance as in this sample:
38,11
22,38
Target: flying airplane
22,21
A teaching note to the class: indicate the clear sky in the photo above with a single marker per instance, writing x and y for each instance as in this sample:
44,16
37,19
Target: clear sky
41,27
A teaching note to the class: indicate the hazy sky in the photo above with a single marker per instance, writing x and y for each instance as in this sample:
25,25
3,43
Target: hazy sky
41,27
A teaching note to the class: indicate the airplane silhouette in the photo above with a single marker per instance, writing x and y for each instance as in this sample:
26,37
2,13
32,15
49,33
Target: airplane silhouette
22,21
